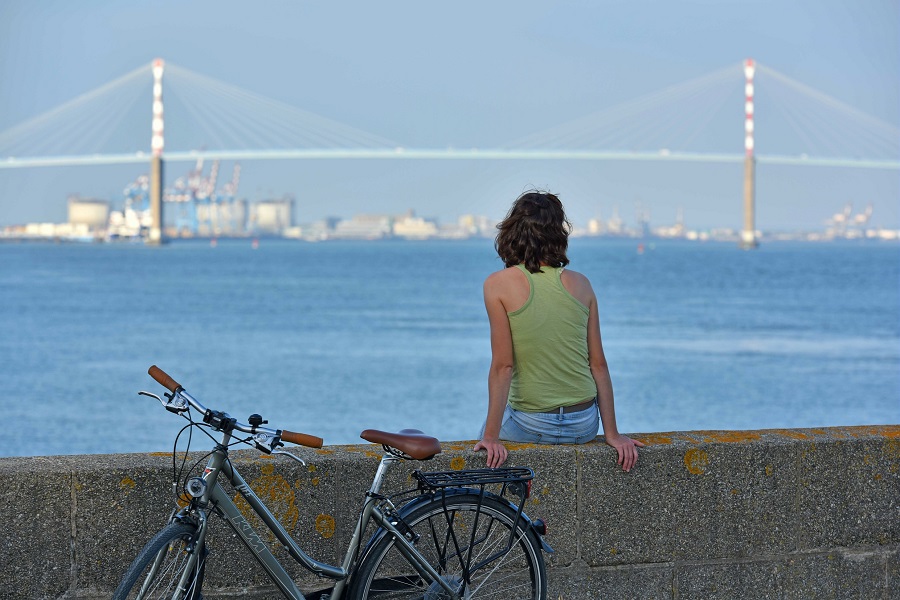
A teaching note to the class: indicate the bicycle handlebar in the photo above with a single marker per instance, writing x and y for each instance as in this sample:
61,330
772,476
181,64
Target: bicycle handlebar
163,379
302,439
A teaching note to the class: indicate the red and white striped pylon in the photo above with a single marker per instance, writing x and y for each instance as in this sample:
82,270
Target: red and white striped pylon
749,70
156,140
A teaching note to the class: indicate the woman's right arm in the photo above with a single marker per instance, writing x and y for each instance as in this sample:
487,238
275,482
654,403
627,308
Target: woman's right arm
626,448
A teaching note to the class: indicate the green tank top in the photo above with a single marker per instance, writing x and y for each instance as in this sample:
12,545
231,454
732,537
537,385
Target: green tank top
550,352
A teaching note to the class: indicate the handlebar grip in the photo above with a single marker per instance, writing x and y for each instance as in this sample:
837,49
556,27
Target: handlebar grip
301,439
164,379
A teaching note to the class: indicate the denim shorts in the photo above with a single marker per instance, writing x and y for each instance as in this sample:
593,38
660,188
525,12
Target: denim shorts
549,428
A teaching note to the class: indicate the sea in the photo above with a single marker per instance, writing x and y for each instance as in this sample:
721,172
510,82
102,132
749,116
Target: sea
335,337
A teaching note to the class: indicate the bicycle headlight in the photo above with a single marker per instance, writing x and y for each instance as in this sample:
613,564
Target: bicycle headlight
195,487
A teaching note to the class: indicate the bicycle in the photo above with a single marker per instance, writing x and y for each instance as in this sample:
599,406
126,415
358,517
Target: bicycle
448,538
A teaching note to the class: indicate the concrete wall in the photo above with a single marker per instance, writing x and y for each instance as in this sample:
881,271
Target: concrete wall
811,513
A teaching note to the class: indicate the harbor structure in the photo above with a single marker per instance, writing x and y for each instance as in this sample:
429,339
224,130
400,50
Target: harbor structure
273,217
90,212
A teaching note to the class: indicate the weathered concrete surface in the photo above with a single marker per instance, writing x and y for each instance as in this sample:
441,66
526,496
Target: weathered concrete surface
811,513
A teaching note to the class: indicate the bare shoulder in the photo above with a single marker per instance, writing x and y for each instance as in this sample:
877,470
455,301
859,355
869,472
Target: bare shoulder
509,276
509,286
578,285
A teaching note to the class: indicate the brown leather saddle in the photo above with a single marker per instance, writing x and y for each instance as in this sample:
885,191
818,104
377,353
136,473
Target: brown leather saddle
407,443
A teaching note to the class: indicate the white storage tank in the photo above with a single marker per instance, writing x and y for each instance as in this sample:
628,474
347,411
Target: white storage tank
88,211
273,216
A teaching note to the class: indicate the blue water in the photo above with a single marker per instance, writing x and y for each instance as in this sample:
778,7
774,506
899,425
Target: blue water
336,337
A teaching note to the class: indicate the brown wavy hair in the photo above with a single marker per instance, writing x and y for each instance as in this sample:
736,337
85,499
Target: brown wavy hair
534,231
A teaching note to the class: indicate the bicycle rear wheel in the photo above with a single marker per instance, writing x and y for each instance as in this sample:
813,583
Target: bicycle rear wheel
160,565
463,542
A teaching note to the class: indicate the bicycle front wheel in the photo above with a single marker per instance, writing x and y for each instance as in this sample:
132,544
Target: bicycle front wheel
160,566
478,549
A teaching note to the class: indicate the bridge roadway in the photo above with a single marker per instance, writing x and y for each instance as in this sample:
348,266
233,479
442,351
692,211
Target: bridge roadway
440,154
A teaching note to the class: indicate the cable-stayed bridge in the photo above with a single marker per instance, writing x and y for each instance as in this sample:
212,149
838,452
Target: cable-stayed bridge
208,119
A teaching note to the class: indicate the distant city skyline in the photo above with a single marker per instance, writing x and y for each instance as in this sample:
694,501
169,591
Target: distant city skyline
93,220
403,71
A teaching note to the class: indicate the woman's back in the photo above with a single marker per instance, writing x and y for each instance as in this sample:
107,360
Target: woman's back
549,336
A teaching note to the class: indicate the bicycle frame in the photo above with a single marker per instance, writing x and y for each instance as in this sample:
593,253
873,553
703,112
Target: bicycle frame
215,498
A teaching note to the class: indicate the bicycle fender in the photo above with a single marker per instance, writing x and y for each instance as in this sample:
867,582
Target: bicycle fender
413,504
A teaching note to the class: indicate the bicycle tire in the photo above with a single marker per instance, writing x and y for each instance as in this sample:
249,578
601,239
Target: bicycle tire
518,574
159,565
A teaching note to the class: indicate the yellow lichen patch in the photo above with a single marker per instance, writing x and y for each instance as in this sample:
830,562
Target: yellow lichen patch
315,481
372,454
522,446
164,454
891,432
878,476
265,457
325,525
735,492
791,433
324,451
127,484
653,439
867,460
732,437
267,469
457,463
277,494
613,551
311,468
696,461
769,470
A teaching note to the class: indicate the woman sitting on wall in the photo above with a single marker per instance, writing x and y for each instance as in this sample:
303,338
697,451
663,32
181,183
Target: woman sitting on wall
548,376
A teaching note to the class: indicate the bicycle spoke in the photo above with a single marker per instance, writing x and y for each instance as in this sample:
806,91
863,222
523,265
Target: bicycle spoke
161,567
463,539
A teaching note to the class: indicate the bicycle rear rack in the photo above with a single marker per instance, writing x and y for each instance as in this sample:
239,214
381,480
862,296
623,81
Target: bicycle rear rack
472,477
515,480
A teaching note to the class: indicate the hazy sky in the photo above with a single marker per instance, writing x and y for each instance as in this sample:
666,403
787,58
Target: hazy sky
469,74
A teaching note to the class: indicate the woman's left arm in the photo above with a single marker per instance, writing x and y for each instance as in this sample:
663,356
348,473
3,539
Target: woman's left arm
500,375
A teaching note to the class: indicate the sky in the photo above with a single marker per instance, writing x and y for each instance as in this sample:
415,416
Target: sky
477,74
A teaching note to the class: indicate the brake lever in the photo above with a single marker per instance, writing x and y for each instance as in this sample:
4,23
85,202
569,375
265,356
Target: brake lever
297,458
152,396
173,405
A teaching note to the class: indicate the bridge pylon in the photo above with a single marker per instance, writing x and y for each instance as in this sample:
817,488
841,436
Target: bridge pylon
157,143
748,235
